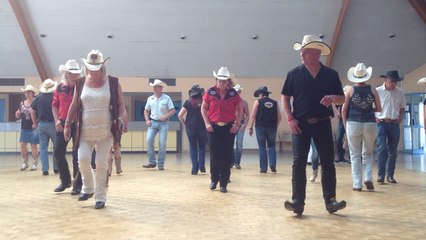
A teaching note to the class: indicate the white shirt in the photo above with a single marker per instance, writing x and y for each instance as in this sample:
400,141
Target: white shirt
392,101
158,106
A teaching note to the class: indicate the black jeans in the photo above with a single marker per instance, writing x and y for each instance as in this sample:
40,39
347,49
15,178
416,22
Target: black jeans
59,153
221,144
321,133
339,140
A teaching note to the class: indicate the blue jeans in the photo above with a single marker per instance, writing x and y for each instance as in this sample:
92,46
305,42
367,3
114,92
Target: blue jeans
197,148
46,131
387,144
340,132
161,128
321,133
266,137
239,146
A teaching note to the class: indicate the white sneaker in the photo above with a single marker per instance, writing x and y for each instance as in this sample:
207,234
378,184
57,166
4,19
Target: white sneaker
314,175
33,167
24,166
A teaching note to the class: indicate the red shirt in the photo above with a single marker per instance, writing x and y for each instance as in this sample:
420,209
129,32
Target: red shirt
222,110
62,98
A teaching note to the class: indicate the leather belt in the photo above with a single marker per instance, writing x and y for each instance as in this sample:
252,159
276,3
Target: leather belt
388,120
315,120
221,124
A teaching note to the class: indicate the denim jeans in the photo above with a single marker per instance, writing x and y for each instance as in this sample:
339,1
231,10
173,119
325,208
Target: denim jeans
361,137
387,144
46,131
266,137
340,132
313,156
161,128
197,148
239,137
59,155
321,133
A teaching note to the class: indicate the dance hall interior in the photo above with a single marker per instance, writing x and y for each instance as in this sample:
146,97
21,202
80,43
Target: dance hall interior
184,43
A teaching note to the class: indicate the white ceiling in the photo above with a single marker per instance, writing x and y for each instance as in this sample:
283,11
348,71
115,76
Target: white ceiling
147,34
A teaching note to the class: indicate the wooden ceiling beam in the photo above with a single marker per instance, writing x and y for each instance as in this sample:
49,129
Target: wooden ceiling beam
16,7
338,29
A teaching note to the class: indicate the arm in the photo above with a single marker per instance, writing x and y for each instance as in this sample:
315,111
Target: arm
377,104
122,113
253,117
168,115
401,115
58,125
34,118
146,115
204,107
329,99
345,106
292,122
18,113
279,118
245,117
181,114
237,123
71,115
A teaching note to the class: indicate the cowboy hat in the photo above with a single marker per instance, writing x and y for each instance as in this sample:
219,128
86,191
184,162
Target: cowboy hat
359,73
238,87
222,74
263,90
422,81
158,82
95,60
195,90
48,86
30,87
312,41
392,75
70,66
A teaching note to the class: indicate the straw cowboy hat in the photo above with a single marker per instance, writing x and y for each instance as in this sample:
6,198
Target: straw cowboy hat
70,66
238,87
48,86
422,81
95,60
312,41
263,90
30,87
392,75
195,90
222,74
359,73
158,82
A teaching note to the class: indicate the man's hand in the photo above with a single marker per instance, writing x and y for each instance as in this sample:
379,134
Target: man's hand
294,126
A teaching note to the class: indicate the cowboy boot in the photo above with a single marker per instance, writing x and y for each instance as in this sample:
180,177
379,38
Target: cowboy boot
118,169
24,164
35,162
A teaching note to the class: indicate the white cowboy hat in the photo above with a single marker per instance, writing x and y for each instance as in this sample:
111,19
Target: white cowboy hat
70,66
30,87
158,82
48,86
312,41
422,81
359,73
238,87
222,74
95,60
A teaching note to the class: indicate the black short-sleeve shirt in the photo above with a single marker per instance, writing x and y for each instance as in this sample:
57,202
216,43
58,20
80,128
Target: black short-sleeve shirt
307,92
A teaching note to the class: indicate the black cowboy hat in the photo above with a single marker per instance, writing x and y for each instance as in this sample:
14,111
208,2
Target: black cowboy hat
392,75
263,89
195,90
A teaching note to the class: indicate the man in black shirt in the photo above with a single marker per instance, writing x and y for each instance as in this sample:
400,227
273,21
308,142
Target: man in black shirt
313,88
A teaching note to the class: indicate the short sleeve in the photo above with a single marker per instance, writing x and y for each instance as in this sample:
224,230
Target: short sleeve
147,105
170,104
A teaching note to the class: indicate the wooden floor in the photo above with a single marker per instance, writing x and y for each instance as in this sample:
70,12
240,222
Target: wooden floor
173,204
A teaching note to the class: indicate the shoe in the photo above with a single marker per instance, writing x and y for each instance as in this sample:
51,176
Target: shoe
99,205
62,187
314,175
75,191
337,161
203,170
213,185
369,185
333,205
194,173
237,166
273,169
294,207
381,179
24,166
391,180
223,189
119,172
34,167
263,171
161,168
357,189
85,196
56,171
45,173
149,165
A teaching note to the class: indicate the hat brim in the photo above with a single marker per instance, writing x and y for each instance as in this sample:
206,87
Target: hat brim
324,48
158,84
352,78
422,81
94,67
222,78
33,89
258,92
48,90
393,79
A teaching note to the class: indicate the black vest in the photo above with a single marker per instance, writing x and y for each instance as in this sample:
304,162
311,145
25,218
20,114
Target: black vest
267,113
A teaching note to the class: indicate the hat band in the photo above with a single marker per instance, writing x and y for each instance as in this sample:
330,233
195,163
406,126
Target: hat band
223,76
361,76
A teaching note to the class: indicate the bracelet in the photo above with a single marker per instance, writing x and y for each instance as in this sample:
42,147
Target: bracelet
67,126
68,121
289,119
251,128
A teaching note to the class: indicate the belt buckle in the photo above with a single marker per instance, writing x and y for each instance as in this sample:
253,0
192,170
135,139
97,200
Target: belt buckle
221,124
312,120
